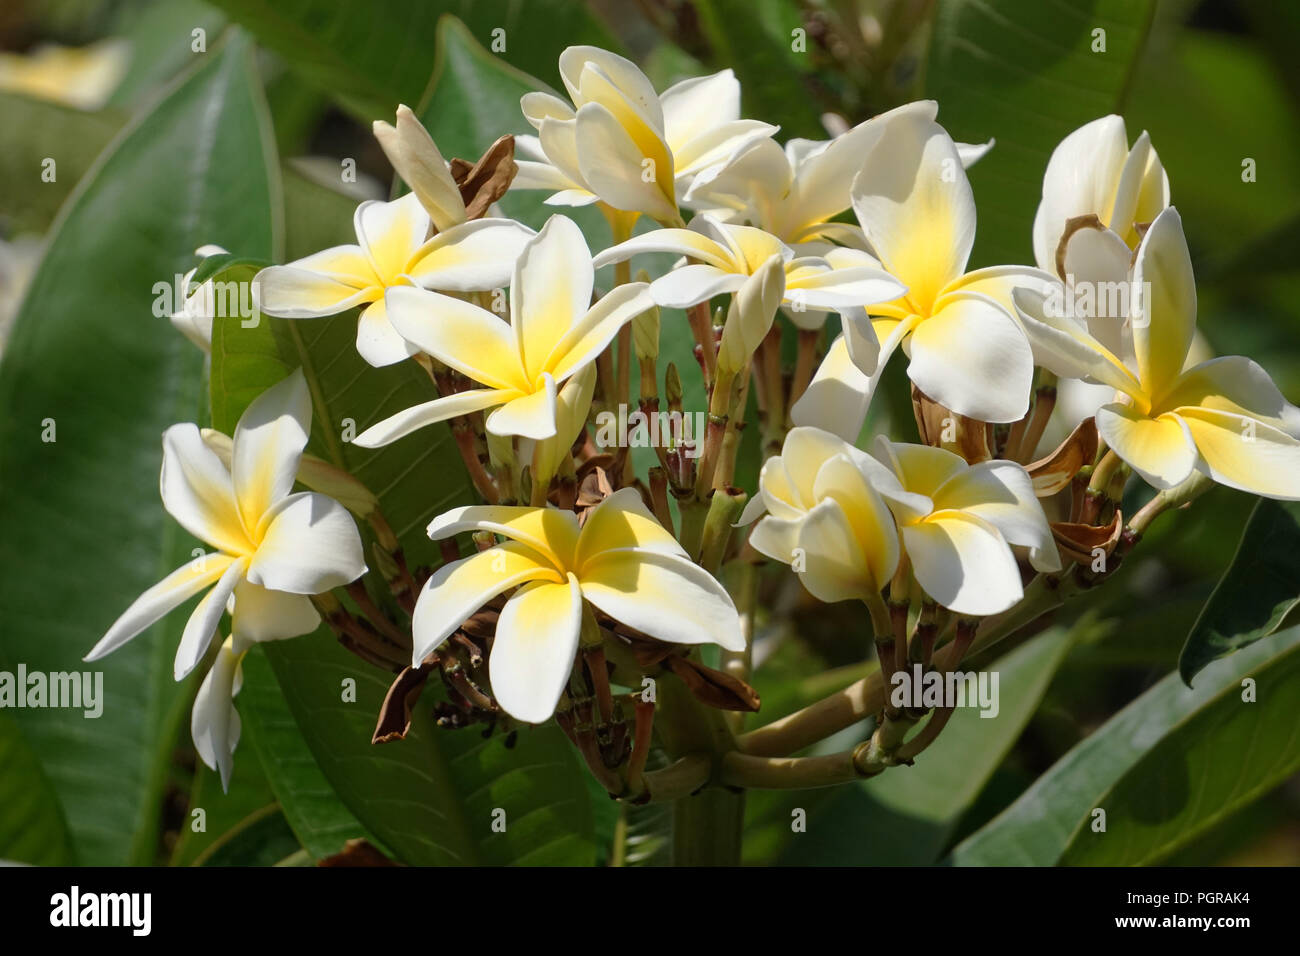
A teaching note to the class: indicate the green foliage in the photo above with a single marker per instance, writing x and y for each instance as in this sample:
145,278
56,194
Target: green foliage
88,354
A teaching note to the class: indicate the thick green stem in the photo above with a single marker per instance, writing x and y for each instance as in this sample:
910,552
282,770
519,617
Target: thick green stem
707,828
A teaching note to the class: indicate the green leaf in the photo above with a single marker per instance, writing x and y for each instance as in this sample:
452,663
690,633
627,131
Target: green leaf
264,838
34,131
313,810
32,828
81,514
756,40
1024,72
1255,594
1166,768
222,812
905,816
371,56
432,798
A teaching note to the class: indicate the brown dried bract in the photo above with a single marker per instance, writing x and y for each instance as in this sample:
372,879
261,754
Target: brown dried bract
484,182
1078,542
357,852
941,427
1054,472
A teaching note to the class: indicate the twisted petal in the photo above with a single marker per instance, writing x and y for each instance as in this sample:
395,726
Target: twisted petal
458,589
1159,449
613,164
534,648
834,565
868,516
165,596
1063,346
962,562
214,722
309,544
664,596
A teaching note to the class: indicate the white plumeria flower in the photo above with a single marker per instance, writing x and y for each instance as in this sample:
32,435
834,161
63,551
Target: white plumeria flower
726,256
623,143
1093,171
967,351
794,192
844,515
198,306
553,333
273,549
393,251
1224,418
621,561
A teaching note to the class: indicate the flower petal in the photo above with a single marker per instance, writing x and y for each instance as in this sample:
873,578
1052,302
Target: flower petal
1064,347
458,589
378,342
664,596
474,256
203,622
1081,177
963,563
325,283
776,538
1238,385
621,522
868,516
591,331
915,204
973,358
548,531
470,339
534,649
268,445
390,232
214,722
264,615
1243,453
309,544
439,410
613,165
1002,493
198,491
698,105
1164,318
551,289
834,566
165,596
531,415
1159,449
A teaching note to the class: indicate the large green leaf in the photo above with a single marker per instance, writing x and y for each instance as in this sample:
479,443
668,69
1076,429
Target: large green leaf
1165,769
34,132
372,56
32,829
1024,72
431,798
84,530
1255,594
906,815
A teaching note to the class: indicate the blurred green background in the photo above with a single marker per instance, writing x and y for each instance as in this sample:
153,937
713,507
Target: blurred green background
1215,83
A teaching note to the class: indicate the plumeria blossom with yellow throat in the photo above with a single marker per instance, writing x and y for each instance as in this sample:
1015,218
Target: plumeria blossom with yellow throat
620,561
1223,418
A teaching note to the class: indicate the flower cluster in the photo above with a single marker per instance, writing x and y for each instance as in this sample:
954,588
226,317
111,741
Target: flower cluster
582,568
